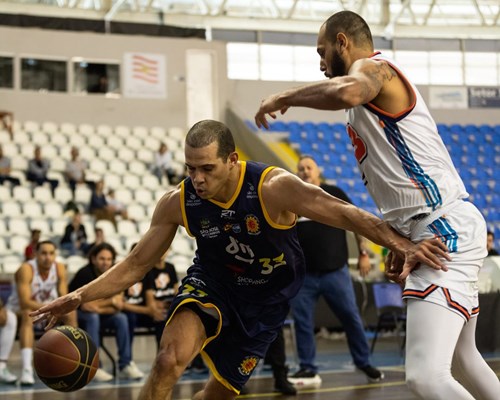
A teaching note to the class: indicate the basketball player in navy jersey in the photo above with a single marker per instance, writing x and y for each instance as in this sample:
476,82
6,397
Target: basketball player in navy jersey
410,175
248,265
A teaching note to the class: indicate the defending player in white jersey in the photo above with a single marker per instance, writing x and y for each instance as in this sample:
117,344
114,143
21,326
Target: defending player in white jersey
411,178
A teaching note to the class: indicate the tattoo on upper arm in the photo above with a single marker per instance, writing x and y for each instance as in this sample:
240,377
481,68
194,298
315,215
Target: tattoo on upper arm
378,74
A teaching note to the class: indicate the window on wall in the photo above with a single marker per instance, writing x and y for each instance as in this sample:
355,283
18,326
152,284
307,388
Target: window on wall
481,69
276,62
91,77
242,61
43,75
306,64
415,64
446,68
6,72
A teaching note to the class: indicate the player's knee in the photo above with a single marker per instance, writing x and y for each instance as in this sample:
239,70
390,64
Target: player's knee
26,320
425,382
169,360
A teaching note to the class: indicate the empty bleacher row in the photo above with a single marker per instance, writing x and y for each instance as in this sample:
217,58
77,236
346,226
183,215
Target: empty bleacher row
119,155
475,151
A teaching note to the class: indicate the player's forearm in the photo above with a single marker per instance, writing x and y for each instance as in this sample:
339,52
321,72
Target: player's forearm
334,94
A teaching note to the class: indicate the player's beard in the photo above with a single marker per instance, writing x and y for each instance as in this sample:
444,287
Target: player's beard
337,65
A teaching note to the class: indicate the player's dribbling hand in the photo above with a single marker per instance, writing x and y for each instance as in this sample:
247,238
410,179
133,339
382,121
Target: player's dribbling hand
51,312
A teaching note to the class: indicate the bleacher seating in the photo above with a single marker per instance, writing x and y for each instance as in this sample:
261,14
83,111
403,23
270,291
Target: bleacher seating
120,155
475,150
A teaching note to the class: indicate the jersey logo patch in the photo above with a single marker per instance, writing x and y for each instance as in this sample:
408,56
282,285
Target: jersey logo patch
248,365
253,225
360,150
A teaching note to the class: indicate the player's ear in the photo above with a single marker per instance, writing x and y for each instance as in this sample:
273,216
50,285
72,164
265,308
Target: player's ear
341,41
233,158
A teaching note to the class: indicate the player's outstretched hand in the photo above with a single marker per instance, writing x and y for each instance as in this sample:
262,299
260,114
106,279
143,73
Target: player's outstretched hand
269,106
430,252
54,310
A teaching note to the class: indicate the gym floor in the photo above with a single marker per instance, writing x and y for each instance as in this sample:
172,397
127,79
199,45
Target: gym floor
340,379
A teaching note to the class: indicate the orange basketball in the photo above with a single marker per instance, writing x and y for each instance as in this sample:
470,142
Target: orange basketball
65,358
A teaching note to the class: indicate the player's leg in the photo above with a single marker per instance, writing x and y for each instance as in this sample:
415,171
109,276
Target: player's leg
432,335
8,326
470,369
26,341
182,340
214,390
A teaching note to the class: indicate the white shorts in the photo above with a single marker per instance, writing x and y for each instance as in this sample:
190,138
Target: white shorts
462,227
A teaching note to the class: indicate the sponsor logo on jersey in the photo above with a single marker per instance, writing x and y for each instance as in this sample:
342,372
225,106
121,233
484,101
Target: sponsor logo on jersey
236,228
228,214
204,223
192,200
245,281
210,233
251,192
248,365
253,225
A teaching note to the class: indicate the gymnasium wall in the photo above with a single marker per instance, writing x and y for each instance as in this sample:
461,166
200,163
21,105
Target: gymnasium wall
243,96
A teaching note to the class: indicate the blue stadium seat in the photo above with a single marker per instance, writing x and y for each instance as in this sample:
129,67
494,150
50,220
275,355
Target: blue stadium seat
278,126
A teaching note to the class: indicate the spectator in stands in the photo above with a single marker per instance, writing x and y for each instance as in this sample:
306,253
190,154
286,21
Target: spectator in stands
7,121
75,171
30,250
116,205
37,282
99,315
99,206
8,327
5,170
99,238
327,275
74,240
142,306
162,166
490,242
38,168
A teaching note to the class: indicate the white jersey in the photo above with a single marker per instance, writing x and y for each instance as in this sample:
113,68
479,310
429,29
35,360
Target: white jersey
42,290
403,161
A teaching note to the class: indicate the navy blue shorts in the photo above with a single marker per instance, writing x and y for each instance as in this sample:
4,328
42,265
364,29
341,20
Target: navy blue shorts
242,331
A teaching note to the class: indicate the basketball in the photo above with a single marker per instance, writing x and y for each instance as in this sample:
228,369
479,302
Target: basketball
65,358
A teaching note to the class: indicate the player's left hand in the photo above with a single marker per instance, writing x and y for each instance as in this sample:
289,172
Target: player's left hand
269,106
430,252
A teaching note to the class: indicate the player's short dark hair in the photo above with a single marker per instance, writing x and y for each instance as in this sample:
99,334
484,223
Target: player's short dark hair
206,132
40,244
95,250
352,25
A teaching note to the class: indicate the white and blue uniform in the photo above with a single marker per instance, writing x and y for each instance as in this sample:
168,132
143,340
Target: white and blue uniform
411,177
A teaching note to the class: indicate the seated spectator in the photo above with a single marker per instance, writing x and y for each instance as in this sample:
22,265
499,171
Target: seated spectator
99,206
7,121
162,166
99,238
75,171
5,170
146,302
38,281
38,168
30,250
74,240
8,327
97,315
490,243
116,205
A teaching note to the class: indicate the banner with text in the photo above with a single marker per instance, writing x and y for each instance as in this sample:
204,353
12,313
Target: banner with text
450,97
144,75
484,97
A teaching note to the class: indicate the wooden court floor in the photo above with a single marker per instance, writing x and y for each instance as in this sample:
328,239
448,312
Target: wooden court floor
336,385
340,380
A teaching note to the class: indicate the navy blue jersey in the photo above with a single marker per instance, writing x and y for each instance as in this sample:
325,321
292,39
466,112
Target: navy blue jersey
239,246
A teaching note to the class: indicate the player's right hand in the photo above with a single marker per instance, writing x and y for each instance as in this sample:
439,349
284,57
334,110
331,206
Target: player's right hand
53,311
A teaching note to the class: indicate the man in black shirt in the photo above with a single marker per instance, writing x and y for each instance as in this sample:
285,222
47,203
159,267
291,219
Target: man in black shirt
327,274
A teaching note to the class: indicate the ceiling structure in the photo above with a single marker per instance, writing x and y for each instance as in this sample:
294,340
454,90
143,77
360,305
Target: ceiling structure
387,18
